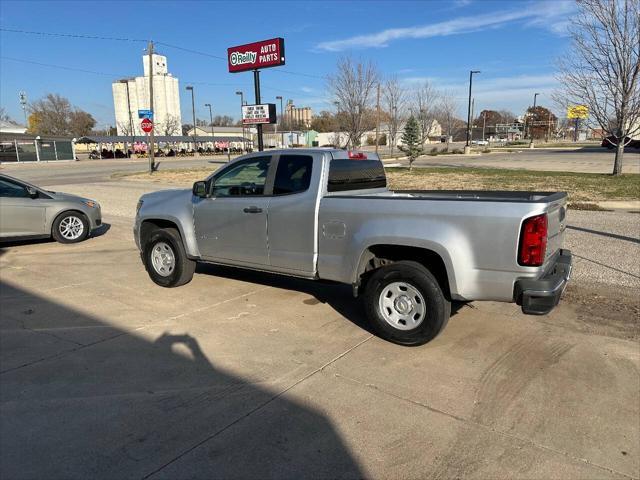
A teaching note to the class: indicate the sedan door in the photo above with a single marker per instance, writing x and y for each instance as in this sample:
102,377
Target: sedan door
20,214
231,224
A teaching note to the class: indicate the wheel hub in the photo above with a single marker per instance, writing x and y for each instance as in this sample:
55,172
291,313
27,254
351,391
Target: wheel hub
402,305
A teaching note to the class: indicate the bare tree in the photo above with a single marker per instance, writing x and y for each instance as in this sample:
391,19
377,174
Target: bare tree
4,116
170,126
424,109
124,128
54,115
351,89
394,99
602,70
446,113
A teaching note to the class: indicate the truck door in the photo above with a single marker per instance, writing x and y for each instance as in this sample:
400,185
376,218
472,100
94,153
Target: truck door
292,214
231,225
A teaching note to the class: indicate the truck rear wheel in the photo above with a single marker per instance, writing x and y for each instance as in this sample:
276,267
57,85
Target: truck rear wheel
165,259
405,304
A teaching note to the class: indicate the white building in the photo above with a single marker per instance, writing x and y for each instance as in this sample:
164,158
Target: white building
132,94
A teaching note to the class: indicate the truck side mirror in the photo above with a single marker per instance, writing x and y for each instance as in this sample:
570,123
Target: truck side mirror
200,189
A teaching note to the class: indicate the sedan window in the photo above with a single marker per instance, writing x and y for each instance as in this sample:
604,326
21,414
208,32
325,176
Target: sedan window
12,189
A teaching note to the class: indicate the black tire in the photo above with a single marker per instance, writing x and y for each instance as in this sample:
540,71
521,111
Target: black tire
435,313
67,217
184,267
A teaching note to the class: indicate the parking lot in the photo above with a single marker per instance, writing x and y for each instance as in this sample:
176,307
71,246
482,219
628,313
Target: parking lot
247,375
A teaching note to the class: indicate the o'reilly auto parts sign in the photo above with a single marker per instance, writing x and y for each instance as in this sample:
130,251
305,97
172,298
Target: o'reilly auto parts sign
257,55
257,114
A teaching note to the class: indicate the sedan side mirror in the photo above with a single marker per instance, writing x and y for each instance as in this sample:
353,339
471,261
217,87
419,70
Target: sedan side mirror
200,189
33,193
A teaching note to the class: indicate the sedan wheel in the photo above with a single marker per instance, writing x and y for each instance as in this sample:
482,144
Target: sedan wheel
71,227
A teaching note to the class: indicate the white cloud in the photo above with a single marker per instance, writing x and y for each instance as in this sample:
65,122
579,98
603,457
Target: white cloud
550,15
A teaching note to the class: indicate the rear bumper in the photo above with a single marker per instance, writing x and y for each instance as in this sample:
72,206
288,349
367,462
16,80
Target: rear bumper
540,296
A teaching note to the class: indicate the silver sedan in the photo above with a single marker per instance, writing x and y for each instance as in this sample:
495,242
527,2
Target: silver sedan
27,211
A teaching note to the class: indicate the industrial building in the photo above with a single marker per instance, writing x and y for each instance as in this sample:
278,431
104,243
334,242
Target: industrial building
132,94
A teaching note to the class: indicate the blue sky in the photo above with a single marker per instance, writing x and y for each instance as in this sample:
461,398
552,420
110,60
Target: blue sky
513,43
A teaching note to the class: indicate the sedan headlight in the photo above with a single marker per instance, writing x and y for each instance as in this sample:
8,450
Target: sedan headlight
138,206
91,203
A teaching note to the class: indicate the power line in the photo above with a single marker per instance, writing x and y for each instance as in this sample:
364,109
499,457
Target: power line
116,75
120,39
71,35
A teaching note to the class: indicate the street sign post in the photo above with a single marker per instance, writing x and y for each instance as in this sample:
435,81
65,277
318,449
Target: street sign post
146,125
254,56
259,114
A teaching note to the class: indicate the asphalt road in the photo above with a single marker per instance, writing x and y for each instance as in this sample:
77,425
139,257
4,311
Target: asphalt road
586,160
95,171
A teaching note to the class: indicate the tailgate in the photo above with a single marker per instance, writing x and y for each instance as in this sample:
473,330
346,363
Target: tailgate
557,223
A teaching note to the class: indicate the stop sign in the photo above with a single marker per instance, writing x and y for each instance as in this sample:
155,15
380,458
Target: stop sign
146,125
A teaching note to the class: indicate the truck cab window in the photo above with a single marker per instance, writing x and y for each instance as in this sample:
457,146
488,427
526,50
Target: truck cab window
243,179
293,174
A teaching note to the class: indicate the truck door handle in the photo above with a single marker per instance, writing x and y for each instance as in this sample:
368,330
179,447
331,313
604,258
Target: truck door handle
252,210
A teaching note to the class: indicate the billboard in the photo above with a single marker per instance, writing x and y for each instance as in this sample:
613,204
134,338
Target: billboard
577,111
253,56
258,114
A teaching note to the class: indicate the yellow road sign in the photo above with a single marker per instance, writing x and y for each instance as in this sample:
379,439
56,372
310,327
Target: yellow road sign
577,111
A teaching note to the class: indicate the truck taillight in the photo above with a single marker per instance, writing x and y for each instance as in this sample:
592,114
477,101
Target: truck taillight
357,155
533,241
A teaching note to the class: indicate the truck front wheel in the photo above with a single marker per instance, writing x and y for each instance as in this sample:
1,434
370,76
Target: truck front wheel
165,258
405,304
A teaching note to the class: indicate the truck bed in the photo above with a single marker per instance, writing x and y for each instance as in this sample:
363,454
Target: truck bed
462,195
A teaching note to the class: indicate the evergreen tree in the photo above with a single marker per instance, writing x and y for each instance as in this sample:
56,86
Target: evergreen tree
411,139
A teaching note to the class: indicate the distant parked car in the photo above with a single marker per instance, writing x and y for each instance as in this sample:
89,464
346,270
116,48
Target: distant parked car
27,211
480,142
611,142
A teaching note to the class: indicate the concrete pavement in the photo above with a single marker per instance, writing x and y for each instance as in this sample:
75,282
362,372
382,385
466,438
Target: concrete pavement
247,375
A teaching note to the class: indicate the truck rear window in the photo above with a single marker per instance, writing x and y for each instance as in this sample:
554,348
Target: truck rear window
355,175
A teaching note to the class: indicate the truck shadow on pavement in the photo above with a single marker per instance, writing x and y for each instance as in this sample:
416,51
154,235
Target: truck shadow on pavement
81,398
338,296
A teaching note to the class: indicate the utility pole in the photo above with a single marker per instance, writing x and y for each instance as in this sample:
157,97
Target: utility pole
279,97
467,148
152,163
484,123
244,144
213,136
256,82
23,102
193,111
533,112
377,116
473,107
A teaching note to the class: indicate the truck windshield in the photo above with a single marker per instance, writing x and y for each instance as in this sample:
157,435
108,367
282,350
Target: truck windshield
355,175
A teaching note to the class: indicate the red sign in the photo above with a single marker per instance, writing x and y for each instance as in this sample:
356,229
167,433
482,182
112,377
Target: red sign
252,56
146,125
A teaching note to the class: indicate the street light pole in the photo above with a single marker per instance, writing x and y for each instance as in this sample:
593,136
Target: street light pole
213,136
535,96
279,97
244,144
467,148
193,111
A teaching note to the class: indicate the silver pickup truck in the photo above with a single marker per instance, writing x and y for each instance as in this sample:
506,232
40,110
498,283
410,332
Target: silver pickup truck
327,214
